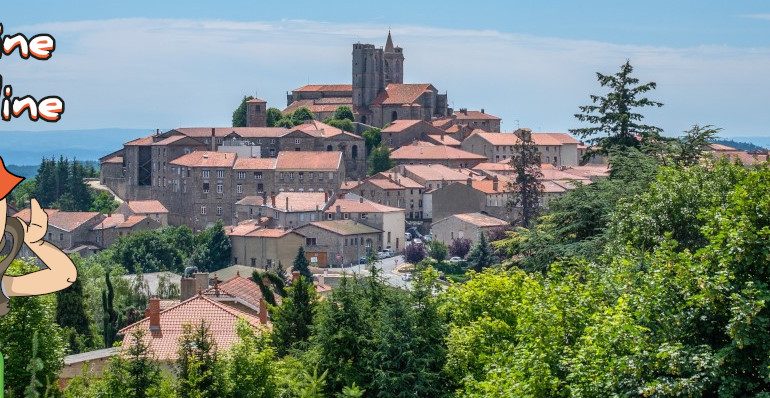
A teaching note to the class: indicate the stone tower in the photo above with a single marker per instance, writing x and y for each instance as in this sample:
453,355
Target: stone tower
256,113
368,74
394,62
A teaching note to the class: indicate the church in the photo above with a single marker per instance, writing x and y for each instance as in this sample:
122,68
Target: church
377,95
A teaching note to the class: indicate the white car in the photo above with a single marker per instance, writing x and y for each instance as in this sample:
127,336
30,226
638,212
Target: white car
383,254
417,241
455,260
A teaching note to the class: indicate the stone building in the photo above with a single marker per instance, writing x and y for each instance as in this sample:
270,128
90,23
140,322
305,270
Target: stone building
389,220
470,119
483,196
435,154
148,208
465,225
255,246
405,131
285,209
338,242
558,149
115,226
392,189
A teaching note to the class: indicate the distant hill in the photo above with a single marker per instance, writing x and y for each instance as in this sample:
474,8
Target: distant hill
740,145
763,142
24,171
28,147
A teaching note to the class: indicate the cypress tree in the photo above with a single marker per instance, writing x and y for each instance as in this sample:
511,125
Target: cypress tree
71,313
526,187
110,317
293,319
301,264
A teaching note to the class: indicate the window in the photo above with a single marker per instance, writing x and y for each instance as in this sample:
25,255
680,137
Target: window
363,216
61,236
239,188
297,141
258,175
205,187
260,187
329,148
354,151
235,260
331,175
220,174
253,262
219,188
310,241
241,175
219,210
346,216
388,236
203,210
205,173
329,216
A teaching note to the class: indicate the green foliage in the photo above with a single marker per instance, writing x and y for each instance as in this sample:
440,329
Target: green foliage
147,251
71,315
437,250
379,160
136,374
343,113
614,115
31,320
343,124
690,148
212,249
23,192
249,366
239,114
59,184
481,256
110,316
372,139
198,372
273,116
103,203
300,115
293,319
526,184
284,122
301,264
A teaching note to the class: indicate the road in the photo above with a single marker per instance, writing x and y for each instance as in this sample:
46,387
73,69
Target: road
388,267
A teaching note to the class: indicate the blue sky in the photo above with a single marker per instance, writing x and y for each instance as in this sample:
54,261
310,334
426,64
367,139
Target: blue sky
530,62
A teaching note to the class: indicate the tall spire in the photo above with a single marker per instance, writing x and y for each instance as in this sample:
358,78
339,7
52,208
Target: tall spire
389,43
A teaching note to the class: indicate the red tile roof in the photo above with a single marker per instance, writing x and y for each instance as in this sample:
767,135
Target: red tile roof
474,115
443,139
140,141
401,94
360,206
320,129
481,220
326,87
299,201
309,160
257,100
239,288
64,220
389,180
344,227
146,206
541,138
496,138
245,132
436,152
488,186
205,159
251,201
254,164
399,125
117,159
219,318
435,172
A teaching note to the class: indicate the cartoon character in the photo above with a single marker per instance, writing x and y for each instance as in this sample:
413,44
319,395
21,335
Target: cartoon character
59,273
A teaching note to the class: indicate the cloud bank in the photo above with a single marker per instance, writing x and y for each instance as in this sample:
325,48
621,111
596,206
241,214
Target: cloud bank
164,73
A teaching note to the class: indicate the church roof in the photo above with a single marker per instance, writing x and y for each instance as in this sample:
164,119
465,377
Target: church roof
326,87
400,94
389,44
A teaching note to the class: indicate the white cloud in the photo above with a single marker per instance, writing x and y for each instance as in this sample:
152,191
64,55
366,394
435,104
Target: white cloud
169,72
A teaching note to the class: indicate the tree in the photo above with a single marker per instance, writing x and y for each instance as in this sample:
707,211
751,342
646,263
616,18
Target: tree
379,160
23,192
481,256
437,250
690,148
285,122
372,139
148,251
344,112
301,114
526,187
460,247
30,321
414,253
301,264
343,124
293,319
273,116
104,203
198,371
615,113
239,114
110,317
213,249
250,366
71,315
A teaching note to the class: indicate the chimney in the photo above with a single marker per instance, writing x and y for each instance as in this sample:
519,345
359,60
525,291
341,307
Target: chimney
360,200
213,140
495,184
272,199
464,111
262,311
187,288
294,276
326,197
442,135
153,312
469,181
287,203
338,210
201,281
482,110
216,285
157,131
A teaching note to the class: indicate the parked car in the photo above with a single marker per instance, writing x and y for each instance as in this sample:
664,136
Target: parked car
427,238
383,254
455,260
417,241
407,277
363,260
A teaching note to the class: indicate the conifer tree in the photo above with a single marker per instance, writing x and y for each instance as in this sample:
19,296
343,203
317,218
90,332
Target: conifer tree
110,317
71,313
615,114
301,264
293,319
239,114
197,368
481,255
526,187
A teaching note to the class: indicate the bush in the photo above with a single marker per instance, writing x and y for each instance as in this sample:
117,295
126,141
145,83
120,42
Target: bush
414,253
438,250
460,247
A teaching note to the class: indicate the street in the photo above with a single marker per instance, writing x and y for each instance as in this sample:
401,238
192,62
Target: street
388,267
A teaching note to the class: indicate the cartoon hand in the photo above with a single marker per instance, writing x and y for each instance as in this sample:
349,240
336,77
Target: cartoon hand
35,231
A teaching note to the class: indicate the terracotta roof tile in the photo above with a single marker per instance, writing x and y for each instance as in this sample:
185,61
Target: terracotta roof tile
251,201
131,221
436,152
481,220
245,132
359,206
399,125
140,141
254,164
205,159
326,87
542,138
146,206
474,115
238,287
309,160
435,172
220,319
117,159
443,139
299,201
343,227
400,94
64,220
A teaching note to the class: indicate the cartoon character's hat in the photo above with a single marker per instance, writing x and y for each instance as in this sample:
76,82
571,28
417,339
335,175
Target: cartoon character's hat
8,180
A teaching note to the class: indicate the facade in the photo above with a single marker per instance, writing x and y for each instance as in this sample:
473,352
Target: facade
558,149
389,220
465,225
482,196
338,242
113,227
402,132
394,190
264,247
149,208
285,209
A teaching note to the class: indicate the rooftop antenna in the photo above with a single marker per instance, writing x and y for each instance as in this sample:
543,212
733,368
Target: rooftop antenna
517,123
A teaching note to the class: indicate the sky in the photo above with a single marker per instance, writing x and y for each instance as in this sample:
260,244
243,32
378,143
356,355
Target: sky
165,64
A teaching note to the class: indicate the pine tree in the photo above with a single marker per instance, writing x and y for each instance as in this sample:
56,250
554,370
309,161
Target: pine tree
526,187
143,372
615,113
197,368
71,313
35,365
110,317
481,255
301,264
293,319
